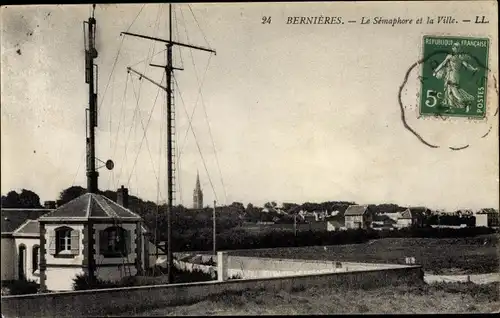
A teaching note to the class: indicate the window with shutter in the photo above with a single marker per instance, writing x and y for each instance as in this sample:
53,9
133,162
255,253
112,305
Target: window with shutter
75,243
114,242
103,242
52,242
128,242
63,236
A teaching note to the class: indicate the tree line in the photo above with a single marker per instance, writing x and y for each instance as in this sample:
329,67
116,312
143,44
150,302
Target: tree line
198,223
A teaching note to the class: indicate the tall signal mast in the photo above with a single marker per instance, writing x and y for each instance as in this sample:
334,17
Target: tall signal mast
169,68
91,115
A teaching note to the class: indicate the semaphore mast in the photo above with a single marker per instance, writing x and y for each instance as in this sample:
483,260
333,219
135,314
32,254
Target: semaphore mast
169,68
91,115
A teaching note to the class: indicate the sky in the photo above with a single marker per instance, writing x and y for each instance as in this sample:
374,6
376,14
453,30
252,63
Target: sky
297,113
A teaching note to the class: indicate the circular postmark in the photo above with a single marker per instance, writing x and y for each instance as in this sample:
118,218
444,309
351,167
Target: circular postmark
449,98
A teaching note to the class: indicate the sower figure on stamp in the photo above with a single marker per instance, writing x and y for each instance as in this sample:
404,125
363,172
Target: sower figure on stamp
449,70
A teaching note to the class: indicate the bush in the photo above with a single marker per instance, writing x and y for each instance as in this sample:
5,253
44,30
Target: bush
23,287
154,276
83,282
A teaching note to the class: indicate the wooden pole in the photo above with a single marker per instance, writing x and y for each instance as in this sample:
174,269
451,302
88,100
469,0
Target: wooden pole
168,69
214,233
295,224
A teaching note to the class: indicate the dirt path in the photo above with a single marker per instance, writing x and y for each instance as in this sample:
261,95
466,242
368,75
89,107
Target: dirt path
475,278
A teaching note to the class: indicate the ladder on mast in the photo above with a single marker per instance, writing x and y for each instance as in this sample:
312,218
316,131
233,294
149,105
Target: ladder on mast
169,68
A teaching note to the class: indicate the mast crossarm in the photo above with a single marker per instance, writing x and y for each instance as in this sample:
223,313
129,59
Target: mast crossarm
171,42
152,81
163,66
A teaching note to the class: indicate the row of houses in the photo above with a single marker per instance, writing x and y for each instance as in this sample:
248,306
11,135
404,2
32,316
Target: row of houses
362,217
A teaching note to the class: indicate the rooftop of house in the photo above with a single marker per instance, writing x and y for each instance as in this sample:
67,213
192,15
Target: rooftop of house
355,210
407,214
12,218
28,228
383,218
337,223
418,209
90,206
487,211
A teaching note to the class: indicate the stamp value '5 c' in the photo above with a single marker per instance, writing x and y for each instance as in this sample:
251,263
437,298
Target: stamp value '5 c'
454,76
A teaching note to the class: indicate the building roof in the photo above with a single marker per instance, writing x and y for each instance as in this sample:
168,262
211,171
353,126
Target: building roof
406,214
337,223
487,211
90,206
28,228
412,213
383,218
418,209
14,218
356,210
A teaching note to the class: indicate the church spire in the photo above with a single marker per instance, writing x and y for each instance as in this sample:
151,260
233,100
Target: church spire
197,194
198,187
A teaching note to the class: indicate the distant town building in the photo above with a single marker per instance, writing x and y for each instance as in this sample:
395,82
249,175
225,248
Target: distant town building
333,225
383,222
411,217
487,218
358,217
197,194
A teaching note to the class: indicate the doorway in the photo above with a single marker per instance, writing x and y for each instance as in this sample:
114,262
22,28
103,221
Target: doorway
22,262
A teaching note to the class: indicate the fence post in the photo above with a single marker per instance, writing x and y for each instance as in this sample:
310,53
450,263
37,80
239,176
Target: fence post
222,266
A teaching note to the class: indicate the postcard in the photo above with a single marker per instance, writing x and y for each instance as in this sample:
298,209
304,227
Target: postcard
249,158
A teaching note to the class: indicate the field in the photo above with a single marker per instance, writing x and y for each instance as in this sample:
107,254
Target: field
435,298
475,255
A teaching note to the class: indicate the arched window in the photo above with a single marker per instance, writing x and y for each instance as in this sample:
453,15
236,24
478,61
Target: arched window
114,242
64,241
35,258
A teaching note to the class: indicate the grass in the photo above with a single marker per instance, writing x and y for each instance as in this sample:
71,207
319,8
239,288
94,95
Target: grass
422,298
476,255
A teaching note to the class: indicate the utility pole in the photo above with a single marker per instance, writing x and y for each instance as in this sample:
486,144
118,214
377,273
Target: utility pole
169,68
214,232
295,224
91,123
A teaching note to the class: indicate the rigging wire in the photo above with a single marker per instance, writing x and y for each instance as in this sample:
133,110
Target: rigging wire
78,169
177,150
122,114
144,137
196,20
151,48
144,60
196,140
126,142
200,85
116,59
196,103
178,37
215,149
190,118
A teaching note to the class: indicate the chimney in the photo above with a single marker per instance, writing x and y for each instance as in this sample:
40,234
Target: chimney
49,204
59,203
122,197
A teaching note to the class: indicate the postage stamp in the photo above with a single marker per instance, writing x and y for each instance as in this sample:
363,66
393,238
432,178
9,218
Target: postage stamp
454,76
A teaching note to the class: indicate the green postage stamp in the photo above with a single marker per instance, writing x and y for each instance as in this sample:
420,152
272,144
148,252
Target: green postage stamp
454,76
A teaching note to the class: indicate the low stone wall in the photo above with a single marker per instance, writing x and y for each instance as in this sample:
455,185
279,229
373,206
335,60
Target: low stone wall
120,300
261,267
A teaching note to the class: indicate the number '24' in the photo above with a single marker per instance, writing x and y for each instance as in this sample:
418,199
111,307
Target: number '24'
266,20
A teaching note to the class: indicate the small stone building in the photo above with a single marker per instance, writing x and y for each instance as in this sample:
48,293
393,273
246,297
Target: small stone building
358,217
